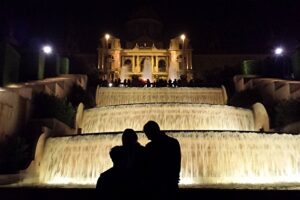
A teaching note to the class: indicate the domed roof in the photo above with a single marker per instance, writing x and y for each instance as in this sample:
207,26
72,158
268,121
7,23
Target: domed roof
144,12
144,21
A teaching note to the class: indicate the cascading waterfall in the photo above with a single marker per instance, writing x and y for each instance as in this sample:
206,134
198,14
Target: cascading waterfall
117,96
173,74
207,158
124,73
147,70
169,116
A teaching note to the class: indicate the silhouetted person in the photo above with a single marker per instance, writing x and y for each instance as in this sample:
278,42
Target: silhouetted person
113,183
135,161
163,162
175,83
170,83
135,152
129,83
148,84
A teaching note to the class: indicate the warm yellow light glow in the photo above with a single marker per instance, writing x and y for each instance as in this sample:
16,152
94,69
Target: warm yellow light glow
182,37
208,158
107,36
2,89
14,86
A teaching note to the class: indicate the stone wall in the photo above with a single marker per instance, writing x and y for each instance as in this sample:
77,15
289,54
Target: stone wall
15,99
12,112
272,90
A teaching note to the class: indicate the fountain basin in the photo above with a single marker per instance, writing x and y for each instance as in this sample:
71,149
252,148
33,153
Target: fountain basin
172,116
209,159
118,96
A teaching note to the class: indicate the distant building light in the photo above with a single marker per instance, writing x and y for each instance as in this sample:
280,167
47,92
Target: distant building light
107,36
47,49
279,51
182,37
110,85
14,86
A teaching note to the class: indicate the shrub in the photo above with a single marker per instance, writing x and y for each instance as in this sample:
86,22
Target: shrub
78,95
287,112
245,99
50,106
14,154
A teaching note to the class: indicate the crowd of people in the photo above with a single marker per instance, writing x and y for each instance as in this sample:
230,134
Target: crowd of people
136,82
142,172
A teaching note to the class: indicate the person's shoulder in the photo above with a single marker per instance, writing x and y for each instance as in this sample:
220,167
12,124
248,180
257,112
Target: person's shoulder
107,173
173,140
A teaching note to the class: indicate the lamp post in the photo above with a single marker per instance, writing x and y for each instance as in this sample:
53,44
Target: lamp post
280,52
47,49
182,37
44,51
107,36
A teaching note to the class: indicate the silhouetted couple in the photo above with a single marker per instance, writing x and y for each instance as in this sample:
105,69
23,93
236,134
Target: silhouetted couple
150,172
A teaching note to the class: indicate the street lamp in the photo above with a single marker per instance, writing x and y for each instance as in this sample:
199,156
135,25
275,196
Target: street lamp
44,51
106,36
47,49
278,51
182,37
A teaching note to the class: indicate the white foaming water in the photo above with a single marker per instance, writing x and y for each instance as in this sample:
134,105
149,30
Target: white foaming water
124,73
207,158
172,72
147,70
168,116
117,96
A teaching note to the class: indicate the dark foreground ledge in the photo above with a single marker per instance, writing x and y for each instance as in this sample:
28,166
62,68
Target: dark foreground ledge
24,193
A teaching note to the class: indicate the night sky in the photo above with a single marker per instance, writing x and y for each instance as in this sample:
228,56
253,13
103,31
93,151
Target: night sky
228,26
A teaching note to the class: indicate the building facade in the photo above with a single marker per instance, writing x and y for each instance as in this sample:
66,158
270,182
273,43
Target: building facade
144,58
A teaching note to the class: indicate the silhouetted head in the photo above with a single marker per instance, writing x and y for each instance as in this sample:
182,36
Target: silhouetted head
117,156
152,130
129,137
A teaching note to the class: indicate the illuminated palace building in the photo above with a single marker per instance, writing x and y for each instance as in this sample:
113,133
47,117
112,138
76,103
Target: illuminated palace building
143,55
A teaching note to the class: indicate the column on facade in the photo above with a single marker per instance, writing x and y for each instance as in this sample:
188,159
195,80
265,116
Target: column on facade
135,62
132,64
138,64
152,64
187,59
156,63
102,59
190,60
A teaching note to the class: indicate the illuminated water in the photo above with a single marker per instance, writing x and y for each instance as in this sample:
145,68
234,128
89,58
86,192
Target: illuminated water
124,73
168,116
117,96
147,70
172,75
218,158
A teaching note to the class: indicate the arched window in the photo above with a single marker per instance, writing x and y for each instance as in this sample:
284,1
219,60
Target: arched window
161,65
142,64
128,63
